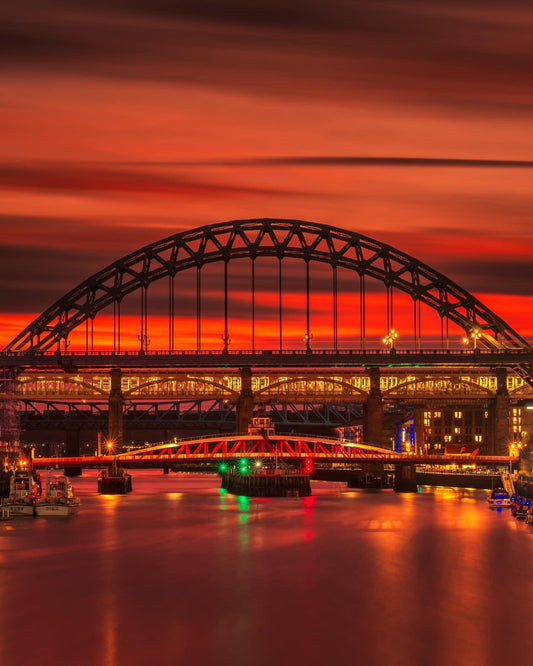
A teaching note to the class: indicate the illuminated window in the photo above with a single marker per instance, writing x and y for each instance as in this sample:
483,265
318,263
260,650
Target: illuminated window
458,415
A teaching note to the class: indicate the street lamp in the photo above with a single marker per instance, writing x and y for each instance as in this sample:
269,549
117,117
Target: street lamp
475,334
226,340
143,338
512,453
307,339
389,339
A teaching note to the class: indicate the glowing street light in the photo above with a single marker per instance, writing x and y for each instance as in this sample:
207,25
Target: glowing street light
307,339
389,339
475,334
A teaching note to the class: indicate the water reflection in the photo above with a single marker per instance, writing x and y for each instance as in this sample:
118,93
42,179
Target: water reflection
181,571
109,591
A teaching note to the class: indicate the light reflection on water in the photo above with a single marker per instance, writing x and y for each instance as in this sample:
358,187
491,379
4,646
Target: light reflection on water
180,571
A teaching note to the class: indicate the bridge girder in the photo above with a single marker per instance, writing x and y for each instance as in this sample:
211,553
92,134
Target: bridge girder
340,386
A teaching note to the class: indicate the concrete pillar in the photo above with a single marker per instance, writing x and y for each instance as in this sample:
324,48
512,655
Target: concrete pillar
373,413
72,450
500,415
405,478
245,406
115,416
72,443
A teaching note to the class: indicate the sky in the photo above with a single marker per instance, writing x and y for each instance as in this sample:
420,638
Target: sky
126,122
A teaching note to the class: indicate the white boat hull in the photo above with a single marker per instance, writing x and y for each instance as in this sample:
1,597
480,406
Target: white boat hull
19,509
59,510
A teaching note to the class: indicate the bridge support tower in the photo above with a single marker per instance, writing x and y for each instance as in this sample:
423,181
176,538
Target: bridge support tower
500,415
373,416
116,406
245,406
72,449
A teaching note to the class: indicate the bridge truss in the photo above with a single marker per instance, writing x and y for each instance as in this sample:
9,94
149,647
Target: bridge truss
282,243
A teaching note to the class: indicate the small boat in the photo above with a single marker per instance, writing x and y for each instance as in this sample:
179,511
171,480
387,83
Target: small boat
24,492
58,499
520,508
499,497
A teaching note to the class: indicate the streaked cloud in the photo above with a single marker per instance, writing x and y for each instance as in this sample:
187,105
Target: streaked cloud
125,121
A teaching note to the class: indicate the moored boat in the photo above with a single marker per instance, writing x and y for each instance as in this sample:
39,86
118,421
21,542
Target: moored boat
499,497
521,507
24,493
58,499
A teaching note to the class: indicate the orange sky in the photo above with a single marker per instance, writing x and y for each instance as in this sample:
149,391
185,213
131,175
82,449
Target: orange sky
123,123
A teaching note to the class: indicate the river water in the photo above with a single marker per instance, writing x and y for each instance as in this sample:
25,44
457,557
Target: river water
181,572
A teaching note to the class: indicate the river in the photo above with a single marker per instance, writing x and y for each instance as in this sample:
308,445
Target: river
181,572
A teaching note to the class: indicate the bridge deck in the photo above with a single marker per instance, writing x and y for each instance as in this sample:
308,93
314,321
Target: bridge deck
269,358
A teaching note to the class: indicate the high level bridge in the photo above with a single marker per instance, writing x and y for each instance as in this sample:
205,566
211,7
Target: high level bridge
313,324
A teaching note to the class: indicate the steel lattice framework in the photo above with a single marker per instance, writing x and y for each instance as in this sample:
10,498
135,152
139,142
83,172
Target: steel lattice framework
280,239
55,414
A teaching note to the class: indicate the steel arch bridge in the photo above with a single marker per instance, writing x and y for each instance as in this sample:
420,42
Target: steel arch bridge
271,266
281,240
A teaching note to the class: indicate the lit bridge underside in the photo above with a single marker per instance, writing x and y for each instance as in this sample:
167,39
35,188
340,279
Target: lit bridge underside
329,385
276,447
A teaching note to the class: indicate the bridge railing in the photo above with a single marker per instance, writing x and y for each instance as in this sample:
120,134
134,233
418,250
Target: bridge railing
264,352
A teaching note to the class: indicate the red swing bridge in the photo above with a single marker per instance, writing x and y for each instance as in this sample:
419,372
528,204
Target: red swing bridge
299,450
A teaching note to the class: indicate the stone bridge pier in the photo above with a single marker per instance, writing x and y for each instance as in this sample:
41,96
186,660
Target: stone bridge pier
373,413
115,414
500,415
245,405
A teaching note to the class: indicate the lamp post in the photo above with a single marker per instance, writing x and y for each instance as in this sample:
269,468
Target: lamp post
226,340
512,452
307,339
389,339
475,334
143,338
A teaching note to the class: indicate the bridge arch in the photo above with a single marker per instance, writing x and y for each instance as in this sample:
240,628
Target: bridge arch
224,392
441,387
340,390
24,386
281,240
